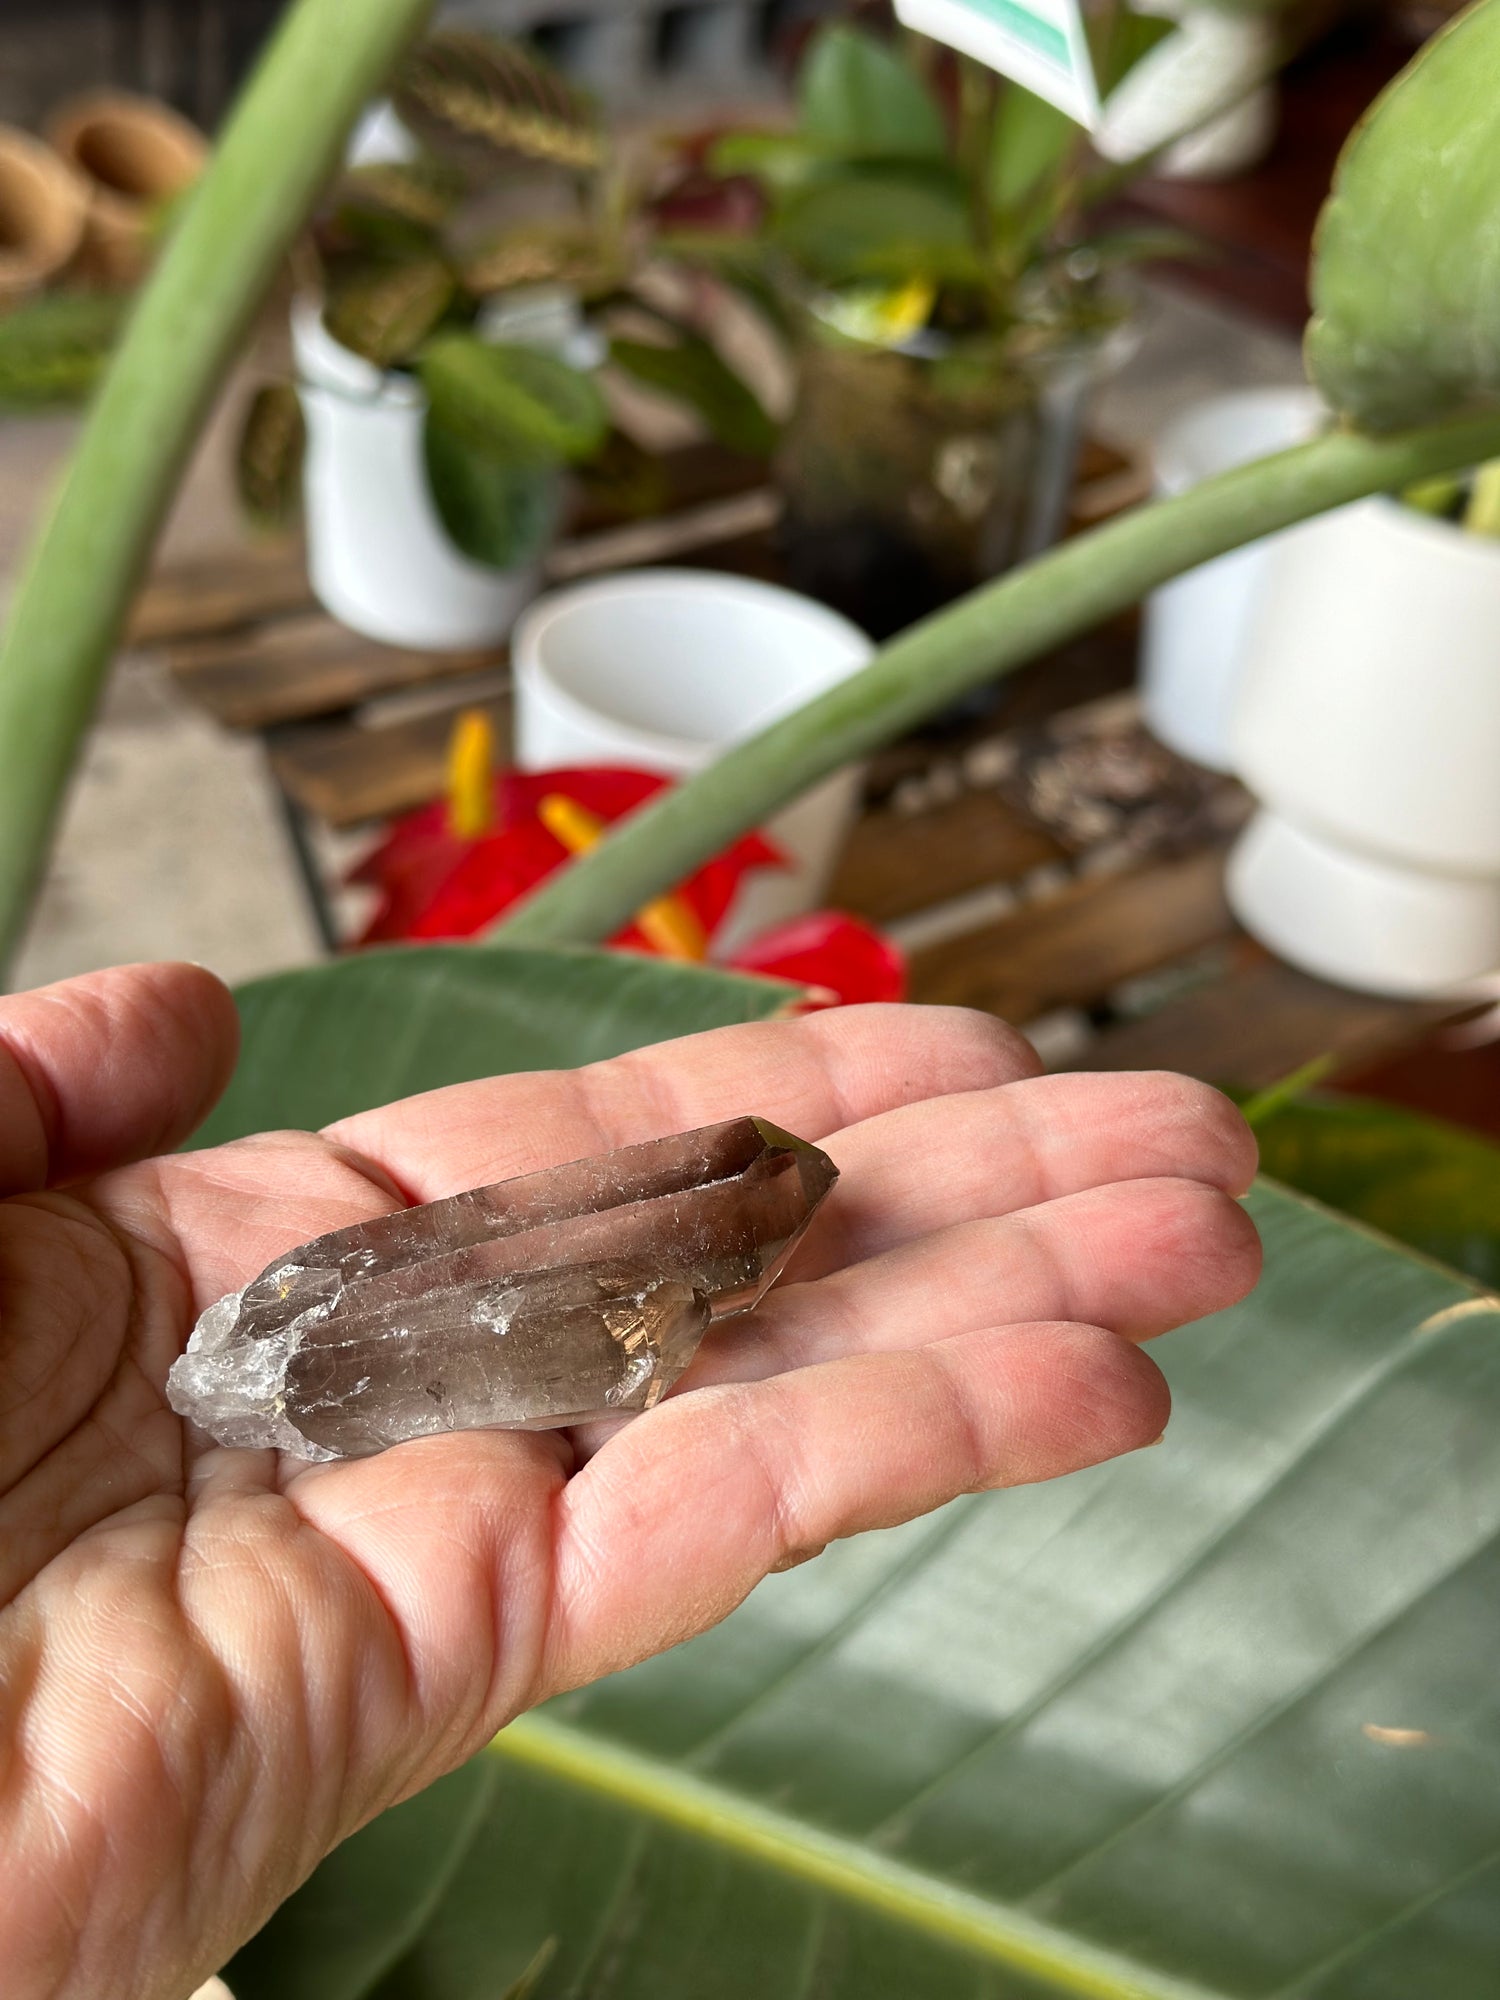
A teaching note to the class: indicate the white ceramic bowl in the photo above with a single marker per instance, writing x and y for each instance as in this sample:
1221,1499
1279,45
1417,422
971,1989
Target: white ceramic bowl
663,669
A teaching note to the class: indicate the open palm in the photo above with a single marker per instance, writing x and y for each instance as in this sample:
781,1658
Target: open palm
216,1664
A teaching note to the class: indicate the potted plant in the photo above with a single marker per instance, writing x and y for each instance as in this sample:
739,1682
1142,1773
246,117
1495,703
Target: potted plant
949,309
1343,1417
1367,724
444,367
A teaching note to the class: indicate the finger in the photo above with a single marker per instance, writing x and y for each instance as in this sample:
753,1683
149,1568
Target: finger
925,1166
107,1068
811,1076
681,1514
234,1208
1137,1258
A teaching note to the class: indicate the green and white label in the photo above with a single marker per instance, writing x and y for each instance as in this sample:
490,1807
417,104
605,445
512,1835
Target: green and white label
1041,43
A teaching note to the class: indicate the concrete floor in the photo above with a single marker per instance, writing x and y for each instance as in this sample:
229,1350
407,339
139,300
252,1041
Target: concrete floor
171,845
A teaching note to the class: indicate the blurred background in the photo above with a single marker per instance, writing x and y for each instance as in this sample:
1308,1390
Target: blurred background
1056,851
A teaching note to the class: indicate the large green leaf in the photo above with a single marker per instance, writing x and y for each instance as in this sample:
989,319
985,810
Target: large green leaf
371,1898
856,97
1406,270
1219,1719
1424,1182
334,1039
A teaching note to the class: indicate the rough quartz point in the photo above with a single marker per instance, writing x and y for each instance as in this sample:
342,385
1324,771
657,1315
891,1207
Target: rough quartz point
577,1292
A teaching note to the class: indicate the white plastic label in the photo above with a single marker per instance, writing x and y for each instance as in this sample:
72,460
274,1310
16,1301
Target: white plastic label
1040,43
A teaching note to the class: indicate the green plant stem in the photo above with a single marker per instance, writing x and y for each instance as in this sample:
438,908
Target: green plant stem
991,632
277,151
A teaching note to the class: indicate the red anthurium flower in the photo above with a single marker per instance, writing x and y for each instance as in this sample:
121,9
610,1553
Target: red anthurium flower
435,884
840,960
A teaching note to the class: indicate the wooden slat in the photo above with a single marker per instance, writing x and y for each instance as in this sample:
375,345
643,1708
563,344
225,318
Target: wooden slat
1073,948
896,862
302,666
1260,1022
215,594
345,773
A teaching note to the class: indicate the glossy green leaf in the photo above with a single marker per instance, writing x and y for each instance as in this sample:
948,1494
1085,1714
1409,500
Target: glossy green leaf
371,1898
330,1040
495,510
512,400
1406,270
1425,1182
692,371
1215,1721
875,224
856,97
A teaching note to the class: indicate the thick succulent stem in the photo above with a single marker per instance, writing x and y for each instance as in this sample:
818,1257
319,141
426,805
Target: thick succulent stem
991,632
278,149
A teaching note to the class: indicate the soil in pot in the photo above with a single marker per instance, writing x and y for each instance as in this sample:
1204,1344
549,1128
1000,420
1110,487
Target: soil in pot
905,477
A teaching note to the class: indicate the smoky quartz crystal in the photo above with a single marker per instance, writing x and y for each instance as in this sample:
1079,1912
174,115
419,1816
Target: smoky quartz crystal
577,1292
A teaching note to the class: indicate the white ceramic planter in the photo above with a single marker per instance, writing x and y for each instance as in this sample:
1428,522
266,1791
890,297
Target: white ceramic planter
662,670
379,558
1368,725
1196,627
1207,81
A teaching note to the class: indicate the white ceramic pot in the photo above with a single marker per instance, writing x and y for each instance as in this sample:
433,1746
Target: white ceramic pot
1210,82
664,669
379,558
1193,645
1368,725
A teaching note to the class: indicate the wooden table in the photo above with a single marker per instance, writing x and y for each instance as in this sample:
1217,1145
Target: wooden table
1045,861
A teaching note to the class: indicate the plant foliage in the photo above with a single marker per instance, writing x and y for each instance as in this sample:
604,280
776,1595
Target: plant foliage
1420,1180
1213,1721
1406,276
462,85
330,1040
269,460
54,348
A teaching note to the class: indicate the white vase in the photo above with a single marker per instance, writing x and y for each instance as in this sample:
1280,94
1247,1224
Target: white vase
664,669
1368,726
379,558
1193,643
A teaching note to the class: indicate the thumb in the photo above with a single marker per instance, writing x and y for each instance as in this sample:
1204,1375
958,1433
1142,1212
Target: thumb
108,1068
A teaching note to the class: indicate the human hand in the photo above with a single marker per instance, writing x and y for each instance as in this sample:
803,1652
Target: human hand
216,1664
